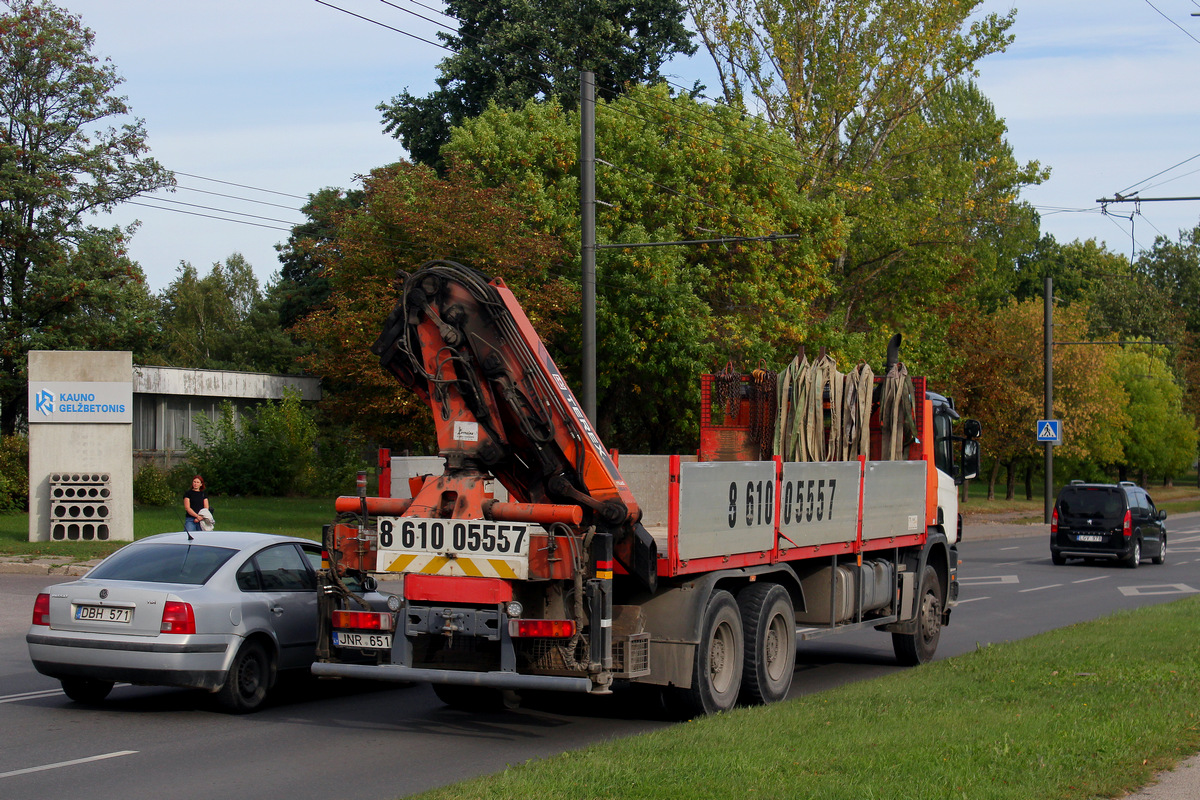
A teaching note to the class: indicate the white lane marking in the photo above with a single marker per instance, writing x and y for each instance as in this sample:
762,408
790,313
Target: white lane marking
70,763
971,600
1039,588
1097,578
1158,588
1010,548
13,698
984,580
1010,563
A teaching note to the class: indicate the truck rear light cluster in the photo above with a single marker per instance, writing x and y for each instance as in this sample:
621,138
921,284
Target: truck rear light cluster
362,620
41,609
541,628
1127,525
178,618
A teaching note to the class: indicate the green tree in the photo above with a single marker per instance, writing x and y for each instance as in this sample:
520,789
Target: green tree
683,171
61,158
303,283
508,53
1160,439
222,320
877,99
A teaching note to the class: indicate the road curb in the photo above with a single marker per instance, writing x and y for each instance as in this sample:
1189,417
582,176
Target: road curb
47,566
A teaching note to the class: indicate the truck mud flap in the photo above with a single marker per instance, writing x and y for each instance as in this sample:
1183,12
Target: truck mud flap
495,680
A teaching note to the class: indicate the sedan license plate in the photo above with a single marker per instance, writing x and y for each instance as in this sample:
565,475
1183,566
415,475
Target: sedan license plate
103,613
1089,537
363,641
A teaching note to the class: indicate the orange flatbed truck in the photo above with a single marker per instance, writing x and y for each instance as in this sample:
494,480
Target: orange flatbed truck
561,587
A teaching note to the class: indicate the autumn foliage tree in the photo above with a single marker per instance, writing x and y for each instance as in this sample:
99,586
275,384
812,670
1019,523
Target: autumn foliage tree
409,215
1002,385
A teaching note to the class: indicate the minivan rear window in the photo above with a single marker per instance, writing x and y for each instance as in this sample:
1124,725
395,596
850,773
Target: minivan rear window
1098,502
164,563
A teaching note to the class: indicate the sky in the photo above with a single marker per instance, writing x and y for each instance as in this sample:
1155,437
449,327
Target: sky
255,104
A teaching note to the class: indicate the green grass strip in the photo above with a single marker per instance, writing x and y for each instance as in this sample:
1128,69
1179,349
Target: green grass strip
293,516
1082,712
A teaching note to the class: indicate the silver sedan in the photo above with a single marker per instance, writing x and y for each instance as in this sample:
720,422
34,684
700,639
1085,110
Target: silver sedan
221,611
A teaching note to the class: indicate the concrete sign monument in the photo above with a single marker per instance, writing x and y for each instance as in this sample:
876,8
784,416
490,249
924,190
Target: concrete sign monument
80,446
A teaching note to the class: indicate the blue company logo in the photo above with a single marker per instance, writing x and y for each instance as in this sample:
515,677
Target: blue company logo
43,401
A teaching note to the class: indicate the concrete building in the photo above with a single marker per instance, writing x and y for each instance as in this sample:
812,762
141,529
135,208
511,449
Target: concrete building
95,417
166,401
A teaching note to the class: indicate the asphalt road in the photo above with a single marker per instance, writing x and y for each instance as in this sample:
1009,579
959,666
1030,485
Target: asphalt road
371,742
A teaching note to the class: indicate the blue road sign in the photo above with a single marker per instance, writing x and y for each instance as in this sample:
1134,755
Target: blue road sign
1049,430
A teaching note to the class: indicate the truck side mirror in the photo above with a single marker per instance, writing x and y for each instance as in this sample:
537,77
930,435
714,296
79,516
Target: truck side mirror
971,428
969,463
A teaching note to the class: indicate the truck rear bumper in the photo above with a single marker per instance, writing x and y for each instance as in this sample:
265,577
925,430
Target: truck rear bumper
495,680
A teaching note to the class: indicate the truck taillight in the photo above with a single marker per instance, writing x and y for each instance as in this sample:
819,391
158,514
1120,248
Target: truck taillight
324,559
362,620
1127,525
542,628
178,618
41,609
1054,522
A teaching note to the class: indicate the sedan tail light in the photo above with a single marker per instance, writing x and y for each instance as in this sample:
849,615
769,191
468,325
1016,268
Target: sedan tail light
1127,525
41,609
178,618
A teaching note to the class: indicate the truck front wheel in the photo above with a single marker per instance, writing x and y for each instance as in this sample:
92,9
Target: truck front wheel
919,646
769,626
717,664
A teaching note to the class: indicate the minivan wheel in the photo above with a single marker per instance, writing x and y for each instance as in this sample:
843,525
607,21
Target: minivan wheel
1161,558
1135,557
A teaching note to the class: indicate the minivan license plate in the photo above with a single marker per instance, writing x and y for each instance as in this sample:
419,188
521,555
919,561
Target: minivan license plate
103,613
1089,537
363,641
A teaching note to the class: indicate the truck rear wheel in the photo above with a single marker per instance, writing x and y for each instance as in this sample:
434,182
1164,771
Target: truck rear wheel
717,664
769,627
919,646
480,699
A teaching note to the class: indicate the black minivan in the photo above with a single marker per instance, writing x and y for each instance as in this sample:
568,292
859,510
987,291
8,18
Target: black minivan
1107,520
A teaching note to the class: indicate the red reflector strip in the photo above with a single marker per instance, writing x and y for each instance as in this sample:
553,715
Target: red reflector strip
542,628
362,620
461,591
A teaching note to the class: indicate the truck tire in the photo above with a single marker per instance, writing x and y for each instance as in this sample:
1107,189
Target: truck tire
717,664
476,699
919,646
769,628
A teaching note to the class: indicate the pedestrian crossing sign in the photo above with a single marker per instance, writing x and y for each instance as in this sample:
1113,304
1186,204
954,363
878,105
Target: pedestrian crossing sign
1049,430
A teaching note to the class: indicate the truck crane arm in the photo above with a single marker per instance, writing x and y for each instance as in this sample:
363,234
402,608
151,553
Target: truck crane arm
461,341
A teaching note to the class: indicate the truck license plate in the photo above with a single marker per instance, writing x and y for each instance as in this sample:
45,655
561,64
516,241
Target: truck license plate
103,613
1089,537
363,641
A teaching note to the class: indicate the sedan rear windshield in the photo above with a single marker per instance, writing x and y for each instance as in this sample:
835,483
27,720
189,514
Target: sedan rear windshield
164,563
1101,502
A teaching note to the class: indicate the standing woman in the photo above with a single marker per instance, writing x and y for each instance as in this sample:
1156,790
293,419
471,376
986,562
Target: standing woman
194,501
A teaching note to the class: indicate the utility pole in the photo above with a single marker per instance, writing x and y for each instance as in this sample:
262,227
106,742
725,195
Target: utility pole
1048,360
587,208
